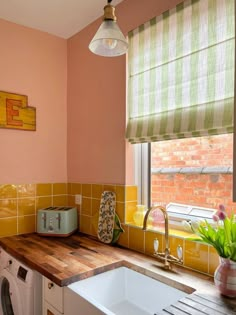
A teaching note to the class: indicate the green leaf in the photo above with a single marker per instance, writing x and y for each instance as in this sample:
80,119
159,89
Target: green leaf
222,237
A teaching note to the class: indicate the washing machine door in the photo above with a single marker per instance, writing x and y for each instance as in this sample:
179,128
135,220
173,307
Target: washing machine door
11,302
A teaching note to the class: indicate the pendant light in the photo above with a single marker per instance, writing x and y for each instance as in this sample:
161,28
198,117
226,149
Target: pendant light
109,40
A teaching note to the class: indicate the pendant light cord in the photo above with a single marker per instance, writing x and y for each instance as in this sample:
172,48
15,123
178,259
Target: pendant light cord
109,1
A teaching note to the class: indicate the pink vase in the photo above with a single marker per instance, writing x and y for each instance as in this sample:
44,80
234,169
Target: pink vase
225,277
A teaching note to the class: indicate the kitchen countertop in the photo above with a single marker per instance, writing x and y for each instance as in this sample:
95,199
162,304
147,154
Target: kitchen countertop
66,260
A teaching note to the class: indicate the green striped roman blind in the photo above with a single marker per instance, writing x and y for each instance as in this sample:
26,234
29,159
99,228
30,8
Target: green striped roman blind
181,73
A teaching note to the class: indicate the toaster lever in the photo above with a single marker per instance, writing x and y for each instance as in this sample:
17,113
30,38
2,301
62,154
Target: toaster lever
59,220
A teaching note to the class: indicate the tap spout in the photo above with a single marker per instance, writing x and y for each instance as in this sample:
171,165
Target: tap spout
166,218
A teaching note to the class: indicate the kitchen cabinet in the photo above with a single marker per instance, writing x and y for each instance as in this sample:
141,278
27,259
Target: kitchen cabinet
52,298
63,301
49,309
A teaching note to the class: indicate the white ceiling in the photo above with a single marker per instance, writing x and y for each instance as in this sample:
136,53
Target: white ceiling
63,18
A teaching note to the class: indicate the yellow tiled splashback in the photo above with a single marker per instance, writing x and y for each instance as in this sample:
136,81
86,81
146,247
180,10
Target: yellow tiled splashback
19,205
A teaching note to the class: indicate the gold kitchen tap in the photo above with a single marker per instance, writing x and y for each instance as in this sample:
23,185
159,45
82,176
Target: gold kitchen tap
166,256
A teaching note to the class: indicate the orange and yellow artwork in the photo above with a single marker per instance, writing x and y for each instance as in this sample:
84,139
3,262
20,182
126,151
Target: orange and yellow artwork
15,112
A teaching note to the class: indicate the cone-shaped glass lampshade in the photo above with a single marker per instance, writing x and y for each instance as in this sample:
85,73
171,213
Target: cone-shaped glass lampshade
109,40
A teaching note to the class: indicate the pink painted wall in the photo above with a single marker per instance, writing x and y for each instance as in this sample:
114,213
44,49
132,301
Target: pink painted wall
97,150
34,63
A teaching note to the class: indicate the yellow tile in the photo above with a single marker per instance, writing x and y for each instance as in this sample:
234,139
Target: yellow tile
59,200
43,202
149,240
59,189
8,208
120,193
86,207
8,227
136,239
85,224
196,256
95,206
94,224
26,224
174,243
26,190
44,189
97,191
120,210
130,208
110,188
124,237
69,189
75,188
71,201
131,193
26,206
86,190
213,260
8,191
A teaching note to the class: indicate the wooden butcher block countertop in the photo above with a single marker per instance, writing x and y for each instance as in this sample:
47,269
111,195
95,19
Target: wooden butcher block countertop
66,260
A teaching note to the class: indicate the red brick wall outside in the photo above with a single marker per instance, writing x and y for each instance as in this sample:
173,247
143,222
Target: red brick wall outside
205,190
204,151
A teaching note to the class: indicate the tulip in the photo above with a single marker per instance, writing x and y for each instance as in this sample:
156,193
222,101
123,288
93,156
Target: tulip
222,208
221,214
215,218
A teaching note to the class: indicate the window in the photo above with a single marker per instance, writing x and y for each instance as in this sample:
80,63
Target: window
186,173
181,91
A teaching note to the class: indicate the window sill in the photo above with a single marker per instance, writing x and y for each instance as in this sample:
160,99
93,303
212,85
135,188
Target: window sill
161,230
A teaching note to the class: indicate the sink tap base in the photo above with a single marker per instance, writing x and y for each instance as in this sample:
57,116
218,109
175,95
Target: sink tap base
168,260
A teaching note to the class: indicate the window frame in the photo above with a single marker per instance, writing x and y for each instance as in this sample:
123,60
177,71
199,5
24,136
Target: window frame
142,172
143,180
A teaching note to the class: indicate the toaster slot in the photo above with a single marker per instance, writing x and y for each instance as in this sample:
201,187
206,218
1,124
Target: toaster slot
51,208
44,218
64,208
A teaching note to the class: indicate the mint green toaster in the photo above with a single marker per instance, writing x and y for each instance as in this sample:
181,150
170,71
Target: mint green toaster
57,221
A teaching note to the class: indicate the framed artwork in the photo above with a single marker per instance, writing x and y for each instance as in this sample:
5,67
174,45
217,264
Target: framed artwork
15,112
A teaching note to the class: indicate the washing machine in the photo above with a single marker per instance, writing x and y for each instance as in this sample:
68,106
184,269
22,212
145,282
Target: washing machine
20,287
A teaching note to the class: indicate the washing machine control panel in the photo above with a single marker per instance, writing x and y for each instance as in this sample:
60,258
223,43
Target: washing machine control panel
22,273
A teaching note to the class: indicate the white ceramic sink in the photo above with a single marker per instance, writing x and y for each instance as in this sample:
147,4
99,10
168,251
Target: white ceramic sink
122,291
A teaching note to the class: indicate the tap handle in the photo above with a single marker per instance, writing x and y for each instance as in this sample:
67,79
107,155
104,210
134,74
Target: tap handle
156,245
180,252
